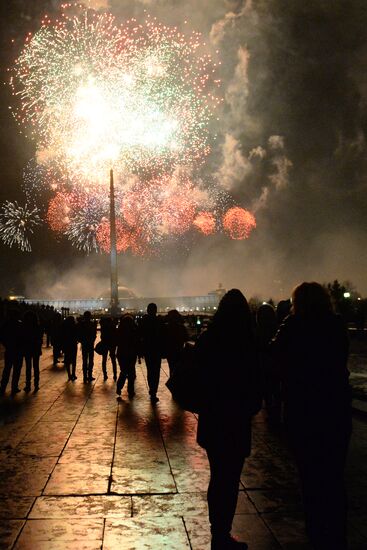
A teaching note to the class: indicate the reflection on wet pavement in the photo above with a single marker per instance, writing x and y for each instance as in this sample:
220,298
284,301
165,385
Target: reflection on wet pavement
82,470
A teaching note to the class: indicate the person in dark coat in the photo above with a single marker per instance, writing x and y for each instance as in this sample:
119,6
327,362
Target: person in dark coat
31,344
87,333
266,327
127,354
69,338
226,353
311,349
108,339
175,337
10,337
151,334
55,337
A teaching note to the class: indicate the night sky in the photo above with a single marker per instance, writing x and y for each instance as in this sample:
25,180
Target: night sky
290,146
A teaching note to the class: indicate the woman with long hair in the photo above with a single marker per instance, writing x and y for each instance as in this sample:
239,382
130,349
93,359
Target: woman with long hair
311,352
226,353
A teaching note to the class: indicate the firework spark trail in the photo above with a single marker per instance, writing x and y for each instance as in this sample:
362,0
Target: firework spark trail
17,223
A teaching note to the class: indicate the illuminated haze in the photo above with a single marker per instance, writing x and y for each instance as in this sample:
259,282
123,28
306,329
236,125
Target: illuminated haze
290,147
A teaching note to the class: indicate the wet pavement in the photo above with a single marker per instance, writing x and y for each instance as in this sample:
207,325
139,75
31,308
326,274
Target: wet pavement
81,470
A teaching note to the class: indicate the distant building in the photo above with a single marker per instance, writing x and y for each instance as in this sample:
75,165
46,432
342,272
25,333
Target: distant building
128,301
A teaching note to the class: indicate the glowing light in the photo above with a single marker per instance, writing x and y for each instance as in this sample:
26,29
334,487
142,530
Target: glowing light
123,237
17,223
238,223
59,211
205,222
93,93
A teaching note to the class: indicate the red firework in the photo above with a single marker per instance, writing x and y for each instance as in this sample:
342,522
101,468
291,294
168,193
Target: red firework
59,212
238,223
177,213
103,236
205,222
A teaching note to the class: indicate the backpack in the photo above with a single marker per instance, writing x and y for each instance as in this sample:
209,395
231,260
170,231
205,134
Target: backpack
186,381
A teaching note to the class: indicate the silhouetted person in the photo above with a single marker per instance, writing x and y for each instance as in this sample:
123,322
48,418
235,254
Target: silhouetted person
108,339
127,353
55,334
227,354
87,332
311,348
266,327
175,336
151,341
31,344
47,316
69,332
10,337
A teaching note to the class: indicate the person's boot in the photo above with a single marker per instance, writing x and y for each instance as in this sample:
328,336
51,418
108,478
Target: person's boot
227,542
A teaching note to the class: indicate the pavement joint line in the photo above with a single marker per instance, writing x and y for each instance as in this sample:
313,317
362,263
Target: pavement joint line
110,479
19,533
186,531
103,532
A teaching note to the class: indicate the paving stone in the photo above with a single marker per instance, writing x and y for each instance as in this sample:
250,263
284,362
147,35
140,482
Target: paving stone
37,532
143,481
16,507
9,530
88,506
42,444
156,497
268,472
248,528
198,532
25,476
288,530
78,479
146,534
12,434
275,500
192,480
193,504
63,545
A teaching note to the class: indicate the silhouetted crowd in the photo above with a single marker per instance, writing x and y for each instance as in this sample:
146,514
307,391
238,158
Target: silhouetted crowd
291,360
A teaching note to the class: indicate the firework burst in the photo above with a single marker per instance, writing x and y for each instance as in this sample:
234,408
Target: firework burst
17,223
92,94
238,223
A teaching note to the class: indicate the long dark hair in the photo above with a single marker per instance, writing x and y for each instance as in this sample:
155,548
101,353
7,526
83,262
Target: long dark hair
233,314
